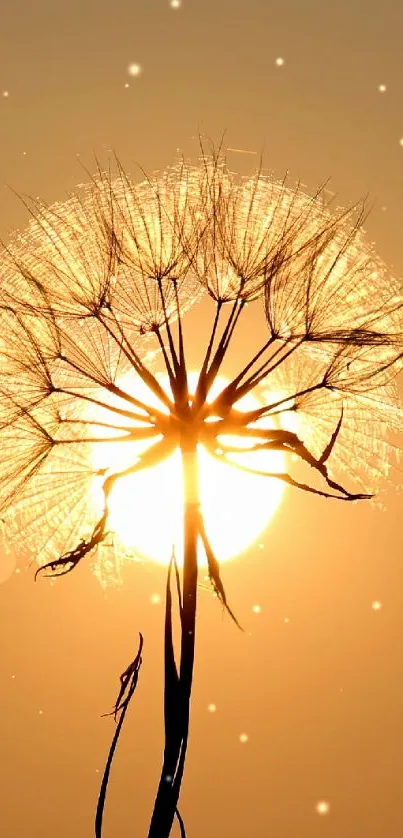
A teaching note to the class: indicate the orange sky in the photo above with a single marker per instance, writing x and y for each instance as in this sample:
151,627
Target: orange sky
316,681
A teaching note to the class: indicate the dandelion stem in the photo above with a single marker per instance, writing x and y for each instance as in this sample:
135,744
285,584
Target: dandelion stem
176,731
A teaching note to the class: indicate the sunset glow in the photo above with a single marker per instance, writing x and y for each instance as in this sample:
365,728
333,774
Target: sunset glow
146,509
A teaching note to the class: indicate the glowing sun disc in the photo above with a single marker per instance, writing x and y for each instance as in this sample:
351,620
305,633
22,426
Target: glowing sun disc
146,509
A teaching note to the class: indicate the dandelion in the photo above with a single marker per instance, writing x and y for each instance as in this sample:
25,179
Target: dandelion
93,299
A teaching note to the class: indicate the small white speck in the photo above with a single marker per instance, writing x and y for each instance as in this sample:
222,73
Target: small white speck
155,599
382,88
127,85
212,708
5,94
168,778
401,141
134,70
40,712
322,807
175,4
257,609
18,570
244,737
376,605
279,62
97,770
286,619
383,209
13,676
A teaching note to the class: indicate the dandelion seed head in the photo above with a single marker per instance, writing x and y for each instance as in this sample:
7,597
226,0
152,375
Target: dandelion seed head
107,269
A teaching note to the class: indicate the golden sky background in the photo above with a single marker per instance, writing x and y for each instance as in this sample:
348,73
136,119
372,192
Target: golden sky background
316,680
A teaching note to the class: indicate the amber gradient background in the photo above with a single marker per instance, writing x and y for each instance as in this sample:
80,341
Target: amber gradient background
320,696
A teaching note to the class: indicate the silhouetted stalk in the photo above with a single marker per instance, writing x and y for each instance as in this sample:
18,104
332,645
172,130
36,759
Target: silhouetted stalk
128,682
177,712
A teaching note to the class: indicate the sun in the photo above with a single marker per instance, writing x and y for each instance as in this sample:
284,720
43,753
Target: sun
146,509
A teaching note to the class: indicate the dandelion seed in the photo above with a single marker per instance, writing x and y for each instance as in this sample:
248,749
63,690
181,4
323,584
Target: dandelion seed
257,609
279,62
134,70
6,94
212,708
322,807
155,599
244,738
382,88
175,4
376,605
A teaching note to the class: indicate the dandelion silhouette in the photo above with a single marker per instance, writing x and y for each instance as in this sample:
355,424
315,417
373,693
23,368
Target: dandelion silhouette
95,291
